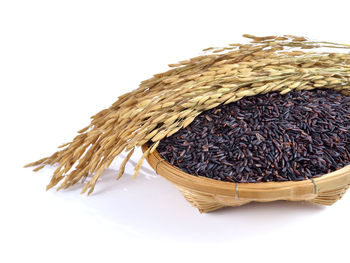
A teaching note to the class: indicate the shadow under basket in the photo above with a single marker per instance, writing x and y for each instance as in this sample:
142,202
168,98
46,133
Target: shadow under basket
208,194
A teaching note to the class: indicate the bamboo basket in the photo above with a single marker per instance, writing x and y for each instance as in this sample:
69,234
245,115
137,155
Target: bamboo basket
171,100
208,194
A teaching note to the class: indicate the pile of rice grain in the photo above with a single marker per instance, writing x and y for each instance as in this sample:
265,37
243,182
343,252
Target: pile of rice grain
267,137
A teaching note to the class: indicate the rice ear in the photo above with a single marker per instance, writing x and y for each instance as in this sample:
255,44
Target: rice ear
170,100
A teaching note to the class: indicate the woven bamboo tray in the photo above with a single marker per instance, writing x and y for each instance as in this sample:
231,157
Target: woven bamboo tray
208,194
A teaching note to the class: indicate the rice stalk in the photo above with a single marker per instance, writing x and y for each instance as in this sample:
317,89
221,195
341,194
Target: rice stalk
171,100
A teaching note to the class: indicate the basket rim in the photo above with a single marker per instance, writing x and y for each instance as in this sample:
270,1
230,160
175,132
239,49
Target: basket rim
287,190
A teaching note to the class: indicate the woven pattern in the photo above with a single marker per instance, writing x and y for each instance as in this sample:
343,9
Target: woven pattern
171,100
330,197
209,195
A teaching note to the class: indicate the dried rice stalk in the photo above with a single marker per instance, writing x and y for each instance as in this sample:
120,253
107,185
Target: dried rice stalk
171,100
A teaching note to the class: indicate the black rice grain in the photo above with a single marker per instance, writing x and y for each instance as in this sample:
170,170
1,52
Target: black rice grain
263,138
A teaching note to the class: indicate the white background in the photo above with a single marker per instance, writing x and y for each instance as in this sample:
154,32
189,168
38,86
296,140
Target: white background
63,61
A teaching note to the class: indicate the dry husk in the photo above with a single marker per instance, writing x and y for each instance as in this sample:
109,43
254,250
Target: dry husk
171,100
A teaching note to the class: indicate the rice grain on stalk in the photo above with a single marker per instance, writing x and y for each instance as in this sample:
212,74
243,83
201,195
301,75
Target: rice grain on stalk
171,100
